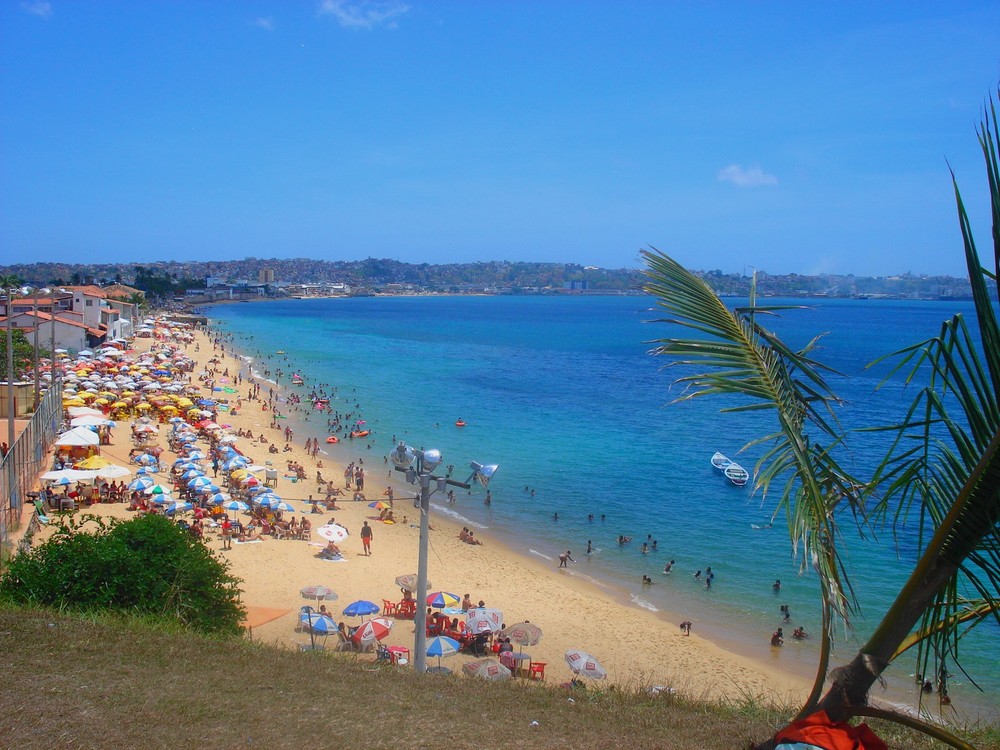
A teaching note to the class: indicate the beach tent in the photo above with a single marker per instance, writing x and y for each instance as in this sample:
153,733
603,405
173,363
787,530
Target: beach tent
77,437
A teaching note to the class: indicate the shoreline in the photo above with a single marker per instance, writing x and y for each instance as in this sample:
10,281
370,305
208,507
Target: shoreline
660,626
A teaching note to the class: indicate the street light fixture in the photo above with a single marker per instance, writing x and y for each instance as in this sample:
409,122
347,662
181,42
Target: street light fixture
418,465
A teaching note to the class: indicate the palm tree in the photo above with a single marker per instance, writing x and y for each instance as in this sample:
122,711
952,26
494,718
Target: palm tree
944,457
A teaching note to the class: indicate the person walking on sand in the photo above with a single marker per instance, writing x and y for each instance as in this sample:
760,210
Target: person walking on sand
564,558
366,538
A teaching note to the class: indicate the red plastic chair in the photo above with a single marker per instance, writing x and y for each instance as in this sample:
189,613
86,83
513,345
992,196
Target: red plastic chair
388,608
536,670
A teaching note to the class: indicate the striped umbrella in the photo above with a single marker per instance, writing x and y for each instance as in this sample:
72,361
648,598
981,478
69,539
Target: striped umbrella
375,629
141,483
235,505
318,623
439,646
318,592
218,498
442,599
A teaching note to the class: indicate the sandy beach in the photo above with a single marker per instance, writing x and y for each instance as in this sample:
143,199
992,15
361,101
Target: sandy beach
638,648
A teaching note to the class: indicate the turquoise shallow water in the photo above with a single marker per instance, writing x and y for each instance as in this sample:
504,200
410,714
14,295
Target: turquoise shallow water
562,393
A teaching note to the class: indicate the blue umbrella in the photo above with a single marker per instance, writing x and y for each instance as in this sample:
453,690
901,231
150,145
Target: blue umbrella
361,608
320,624
209,489
284,507
199,481
192,473
268,500
218,498
235,463
440,646
180,506
235,505
141,484
146,458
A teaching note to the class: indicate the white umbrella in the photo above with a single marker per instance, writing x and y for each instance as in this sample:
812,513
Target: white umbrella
113,472
484,620
77,437
69,475
584,664
487,669
85,420
332,532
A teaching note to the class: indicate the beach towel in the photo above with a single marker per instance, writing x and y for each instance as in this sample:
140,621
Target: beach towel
817,732
249,541
333,559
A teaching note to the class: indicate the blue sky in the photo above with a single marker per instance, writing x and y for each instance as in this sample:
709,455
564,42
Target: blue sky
798,137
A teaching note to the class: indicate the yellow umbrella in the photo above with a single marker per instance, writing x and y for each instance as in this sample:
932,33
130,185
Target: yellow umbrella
94,462
238,473
143,406
73,401
119,405
86,396
101,401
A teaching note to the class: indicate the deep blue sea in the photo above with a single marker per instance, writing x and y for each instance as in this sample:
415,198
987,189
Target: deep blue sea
563,394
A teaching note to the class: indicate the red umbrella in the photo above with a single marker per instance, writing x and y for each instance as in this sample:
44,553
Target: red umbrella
375,629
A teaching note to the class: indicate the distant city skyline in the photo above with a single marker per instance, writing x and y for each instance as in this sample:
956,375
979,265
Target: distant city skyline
790,137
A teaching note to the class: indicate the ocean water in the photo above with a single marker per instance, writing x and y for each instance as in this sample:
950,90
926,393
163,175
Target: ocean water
562,393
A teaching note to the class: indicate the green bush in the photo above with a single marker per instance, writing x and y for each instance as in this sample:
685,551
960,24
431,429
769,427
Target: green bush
147,566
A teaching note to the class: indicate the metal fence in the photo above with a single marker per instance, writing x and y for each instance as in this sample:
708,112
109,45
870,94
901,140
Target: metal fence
28,458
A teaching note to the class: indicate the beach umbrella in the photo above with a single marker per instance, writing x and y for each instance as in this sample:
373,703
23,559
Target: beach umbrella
199,481
484,620
158,489
375,629
318,623
209,489
318,592
442,600
284,507
179,506
192,473
361,608
218,498
141,483
267,500
235,505
144,471
379,505
85,420
92,464
439,646
145,458
332,532
237,462
523,633
113,472
408,582
487,669
584,664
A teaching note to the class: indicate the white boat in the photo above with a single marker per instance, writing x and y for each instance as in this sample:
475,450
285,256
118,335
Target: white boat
736,474
720,461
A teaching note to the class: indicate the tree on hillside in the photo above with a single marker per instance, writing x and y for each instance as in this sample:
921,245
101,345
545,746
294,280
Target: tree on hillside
943,463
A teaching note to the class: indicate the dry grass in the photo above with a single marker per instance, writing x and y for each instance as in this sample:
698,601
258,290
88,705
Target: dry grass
72,682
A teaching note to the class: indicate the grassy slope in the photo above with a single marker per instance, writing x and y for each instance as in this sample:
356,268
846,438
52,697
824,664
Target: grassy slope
95,683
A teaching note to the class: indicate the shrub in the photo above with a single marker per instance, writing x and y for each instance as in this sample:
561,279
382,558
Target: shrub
147,566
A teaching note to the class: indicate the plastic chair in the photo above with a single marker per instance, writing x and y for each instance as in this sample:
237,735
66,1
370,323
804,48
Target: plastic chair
536,670
388,608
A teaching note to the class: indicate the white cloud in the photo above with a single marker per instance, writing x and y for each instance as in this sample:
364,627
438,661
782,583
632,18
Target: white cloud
363,14
264,23
40,8
750,177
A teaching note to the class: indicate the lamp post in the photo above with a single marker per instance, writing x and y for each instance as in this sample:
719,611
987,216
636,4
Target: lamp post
419,466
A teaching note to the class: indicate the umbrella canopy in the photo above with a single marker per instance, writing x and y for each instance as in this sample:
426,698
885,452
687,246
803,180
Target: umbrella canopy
442,645
584,664
487,669
113,472
361,608
442,599
68,476
523,633
408,581
78,436
484,620
92,464
179,507
375,629
85,420
235,505
318,592
141,483
319,624
379,505
332,532
218,498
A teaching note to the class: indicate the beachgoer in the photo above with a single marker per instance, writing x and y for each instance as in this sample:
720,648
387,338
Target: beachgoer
686,627
777,637
590,547
466,603
777,585
366,538
564,558
668,566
